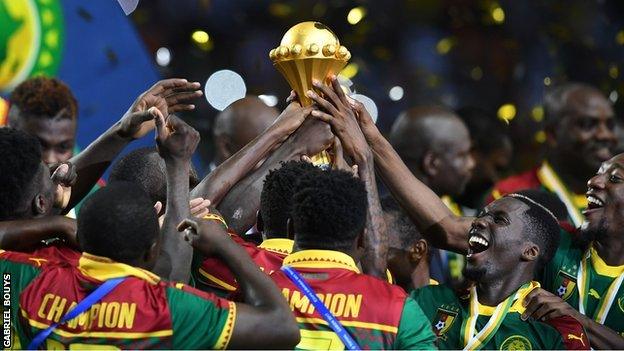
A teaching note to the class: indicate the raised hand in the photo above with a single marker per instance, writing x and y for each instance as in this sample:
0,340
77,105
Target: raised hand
175,140
206,236
167,96
313,137
336,110
291,118
64,176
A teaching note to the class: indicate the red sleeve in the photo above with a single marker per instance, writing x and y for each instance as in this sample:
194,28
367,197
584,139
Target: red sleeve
572,332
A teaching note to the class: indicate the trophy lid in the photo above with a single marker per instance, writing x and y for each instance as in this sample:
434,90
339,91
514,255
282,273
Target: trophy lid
309,40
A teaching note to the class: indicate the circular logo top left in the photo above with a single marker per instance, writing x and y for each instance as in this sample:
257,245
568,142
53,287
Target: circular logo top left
31,40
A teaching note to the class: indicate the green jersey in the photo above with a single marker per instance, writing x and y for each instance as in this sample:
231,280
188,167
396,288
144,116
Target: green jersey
450,316
603,296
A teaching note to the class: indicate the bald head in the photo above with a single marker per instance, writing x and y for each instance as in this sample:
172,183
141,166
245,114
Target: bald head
581,126
435,144
239,124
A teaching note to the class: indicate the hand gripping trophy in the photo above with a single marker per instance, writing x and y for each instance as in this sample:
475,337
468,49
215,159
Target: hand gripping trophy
308,51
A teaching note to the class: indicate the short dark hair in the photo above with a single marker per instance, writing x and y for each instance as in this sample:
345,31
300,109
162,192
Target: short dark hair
544,226
119,222
329,210
20,161
146,168
44,97
277,196
402,228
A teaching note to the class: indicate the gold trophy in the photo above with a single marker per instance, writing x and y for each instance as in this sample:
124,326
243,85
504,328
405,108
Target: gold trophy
308,51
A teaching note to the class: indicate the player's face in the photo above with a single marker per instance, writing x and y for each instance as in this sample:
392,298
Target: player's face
57,137
605,197
496,240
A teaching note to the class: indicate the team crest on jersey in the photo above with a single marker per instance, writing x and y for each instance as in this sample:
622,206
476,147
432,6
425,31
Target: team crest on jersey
516,342
567,286
443,321
621,303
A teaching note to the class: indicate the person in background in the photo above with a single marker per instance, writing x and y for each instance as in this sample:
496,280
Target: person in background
212,274
580,129
408,251
238,124
435,145
492,151
47,109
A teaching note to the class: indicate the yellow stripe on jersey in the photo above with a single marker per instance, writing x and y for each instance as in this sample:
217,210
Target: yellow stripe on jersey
102,268
278,245
216,280
228,328
365,325
601,267
320,259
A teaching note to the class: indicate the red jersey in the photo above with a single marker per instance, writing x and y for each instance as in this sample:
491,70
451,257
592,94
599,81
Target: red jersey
378,315
58,252
212,274
142,312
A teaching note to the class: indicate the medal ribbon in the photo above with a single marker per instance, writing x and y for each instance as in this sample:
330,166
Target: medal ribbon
582,283
549,178
476,342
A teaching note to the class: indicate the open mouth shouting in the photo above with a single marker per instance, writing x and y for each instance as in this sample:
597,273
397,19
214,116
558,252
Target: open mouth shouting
477,243
594,203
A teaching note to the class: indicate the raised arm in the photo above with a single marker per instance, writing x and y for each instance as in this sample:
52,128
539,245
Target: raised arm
167,96
432,218
336,111
264,320
218,183
240,205
176,141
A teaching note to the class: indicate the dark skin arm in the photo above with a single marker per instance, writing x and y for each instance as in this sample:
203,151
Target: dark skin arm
176,141
240,205
432,218
336,111
264,320
166,96
217,184
27,234
543,305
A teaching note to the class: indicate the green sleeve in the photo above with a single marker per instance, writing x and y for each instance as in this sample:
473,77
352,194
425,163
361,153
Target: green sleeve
200,321
414,329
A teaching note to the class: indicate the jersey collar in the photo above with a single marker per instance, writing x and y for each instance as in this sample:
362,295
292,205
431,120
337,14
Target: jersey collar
517,305
601,267
320,259
102,268
277,245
